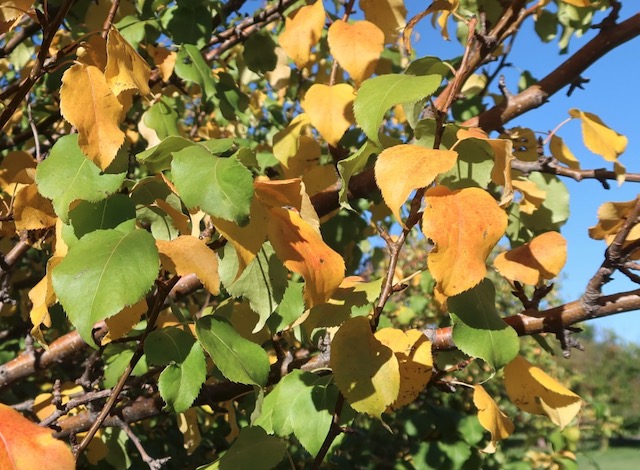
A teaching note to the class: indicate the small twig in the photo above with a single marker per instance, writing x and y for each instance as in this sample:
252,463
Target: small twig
154,464
334,431
110,17
34,130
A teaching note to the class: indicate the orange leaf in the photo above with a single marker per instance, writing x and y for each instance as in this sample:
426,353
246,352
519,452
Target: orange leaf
402,169
302,31
542,258
356,47
125,70
31,211
25,445
464,225
87,102
490,416
303,251
330,109
186,254
388,15
533,391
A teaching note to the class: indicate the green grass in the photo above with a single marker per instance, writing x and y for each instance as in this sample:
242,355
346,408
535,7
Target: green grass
615,458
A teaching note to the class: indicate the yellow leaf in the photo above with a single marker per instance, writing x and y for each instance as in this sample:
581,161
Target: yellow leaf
490,416
302,31
611,218
319,178
246,240
561,152
437,5
180,220
288,193
306,157
13,9
280,76
122,322
31,211
501,171
86,101
413,351
401,169
541,258
286,143
42,297
533,391
356,47
365,370
185,255
93,51
464,226
303,251
443,19
14,171
125,69
525,144
599,138
388,15
164,59
188,426
330,109
533,196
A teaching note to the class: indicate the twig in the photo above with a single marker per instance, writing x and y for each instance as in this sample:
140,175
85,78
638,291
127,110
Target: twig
34,130
154,464
110,17
348,9
334,431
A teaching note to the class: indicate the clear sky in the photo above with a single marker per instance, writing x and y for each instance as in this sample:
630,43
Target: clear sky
612,95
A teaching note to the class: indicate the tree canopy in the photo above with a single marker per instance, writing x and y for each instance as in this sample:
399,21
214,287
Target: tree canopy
255,239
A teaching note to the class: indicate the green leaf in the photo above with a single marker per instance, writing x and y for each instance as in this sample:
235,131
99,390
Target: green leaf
158,158
554,210
67,175
191,66
239,359
163,119
188,23
221,187
301,403
144,195
116,359
290,309
351,166
259,53
478,329
168,345
109,213
262,283
473,166
233,102
104,272
378,94
253,449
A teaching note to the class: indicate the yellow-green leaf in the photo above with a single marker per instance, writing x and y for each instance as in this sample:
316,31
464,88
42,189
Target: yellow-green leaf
365,370
401,169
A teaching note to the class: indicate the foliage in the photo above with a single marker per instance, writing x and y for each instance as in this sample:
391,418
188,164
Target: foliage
268,237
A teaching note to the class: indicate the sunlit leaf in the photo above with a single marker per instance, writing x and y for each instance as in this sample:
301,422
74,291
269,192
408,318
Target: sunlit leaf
464,226
401,169
125,69
611,217
561,152
388,15
31,211
356,47
302,31
490,416
330,110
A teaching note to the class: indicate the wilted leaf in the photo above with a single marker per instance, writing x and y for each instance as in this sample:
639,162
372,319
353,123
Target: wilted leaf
104,272
377,95
413,351
330,109
356,47
501,172
490,416
611,218
402,169
388,15
187,254
125,69
478,329
365,370
87,102
302,31
561,152
533,391
31,211
464,225
24,443
541,259
303,251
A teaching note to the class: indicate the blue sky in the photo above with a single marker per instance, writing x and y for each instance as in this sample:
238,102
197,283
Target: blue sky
611,94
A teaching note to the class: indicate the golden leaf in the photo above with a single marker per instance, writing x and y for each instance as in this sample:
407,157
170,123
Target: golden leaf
490,416
356,47
541,258
525,144
413,351
164,59
464,226
599,138
319,178
93,51
302,31
11,10
125,69
533,391
24,444
122,322
288,193
188,426
303,251
501,171
179,219
14,171
388,15
401,169
286,142
86,101
330,109
561,152
185,255
31,211
365,370
42,296
611,218
306,157
437,5
533,196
